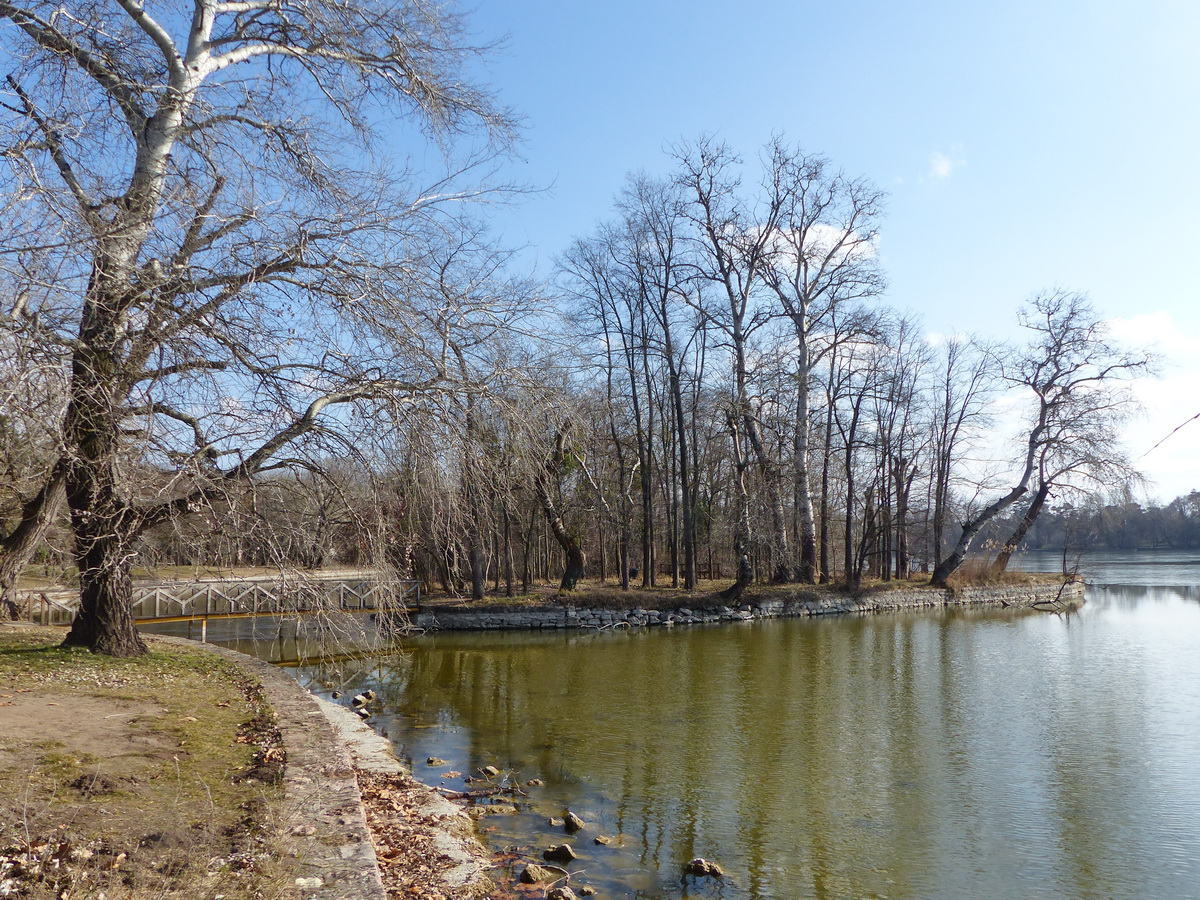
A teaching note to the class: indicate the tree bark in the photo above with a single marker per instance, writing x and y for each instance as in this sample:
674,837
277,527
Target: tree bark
950,564
19,545
103,525
741,532
1018,534
576,563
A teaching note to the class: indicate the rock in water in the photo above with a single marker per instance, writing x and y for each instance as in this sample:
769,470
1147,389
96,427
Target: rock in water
702,868
490,771
572,823
561,893
559,853
535,874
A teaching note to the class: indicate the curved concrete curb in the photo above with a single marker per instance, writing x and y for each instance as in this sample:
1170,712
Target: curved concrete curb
326,745
324,815
463,862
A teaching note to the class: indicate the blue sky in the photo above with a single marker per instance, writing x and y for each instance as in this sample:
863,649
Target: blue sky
1024,145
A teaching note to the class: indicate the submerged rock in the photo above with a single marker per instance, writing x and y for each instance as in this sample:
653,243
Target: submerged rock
436,761
703,868
559,853
538,874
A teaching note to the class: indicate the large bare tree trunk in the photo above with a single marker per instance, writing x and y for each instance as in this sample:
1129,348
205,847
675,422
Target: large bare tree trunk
807,572
1018,534
576,566
19,545
950,564
104,623
741,531
103,525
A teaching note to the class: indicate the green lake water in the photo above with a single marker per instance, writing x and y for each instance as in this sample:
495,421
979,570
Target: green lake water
987,754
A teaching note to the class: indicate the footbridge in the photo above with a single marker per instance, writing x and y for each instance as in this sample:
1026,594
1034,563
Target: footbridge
204,600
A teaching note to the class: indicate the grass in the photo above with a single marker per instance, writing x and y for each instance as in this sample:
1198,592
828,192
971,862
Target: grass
978,572
147,777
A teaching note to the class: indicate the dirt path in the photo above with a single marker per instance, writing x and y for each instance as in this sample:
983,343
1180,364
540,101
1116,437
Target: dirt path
129,778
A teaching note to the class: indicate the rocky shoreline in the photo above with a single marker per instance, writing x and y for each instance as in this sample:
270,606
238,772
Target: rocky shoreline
794,604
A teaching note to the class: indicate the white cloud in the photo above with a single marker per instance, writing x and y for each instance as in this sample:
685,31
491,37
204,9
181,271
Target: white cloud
820,240
1158,331
942,165
1168,401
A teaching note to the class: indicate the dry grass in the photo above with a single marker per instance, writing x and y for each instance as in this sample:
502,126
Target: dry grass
608,595
151,777
978,572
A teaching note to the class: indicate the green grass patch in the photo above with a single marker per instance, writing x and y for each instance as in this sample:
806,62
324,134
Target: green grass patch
147,773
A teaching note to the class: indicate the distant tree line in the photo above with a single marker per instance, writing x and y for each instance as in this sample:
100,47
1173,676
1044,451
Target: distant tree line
1120,526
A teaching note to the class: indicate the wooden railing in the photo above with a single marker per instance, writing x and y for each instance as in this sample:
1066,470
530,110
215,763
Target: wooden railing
233,598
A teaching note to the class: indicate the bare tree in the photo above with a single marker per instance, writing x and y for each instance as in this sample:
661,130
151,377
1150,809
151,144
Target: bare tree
823,255
1077,375
602,280
735,238
196,220
32,470
965,382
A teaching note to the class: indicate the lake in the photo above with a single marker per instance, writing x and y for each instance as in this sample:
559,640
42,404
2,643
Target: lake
991,754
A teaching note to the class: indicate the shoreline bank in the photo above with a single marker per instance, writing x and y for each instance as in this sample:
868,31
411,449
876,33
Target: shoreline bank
796,603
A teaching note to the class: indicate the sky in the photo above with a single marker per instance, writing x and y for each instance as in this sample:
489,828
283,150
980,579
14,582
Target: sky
1025,146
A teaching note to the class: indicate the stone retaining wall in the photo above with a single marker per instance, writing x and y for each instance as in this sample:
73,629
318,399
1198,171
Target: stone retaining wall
799,603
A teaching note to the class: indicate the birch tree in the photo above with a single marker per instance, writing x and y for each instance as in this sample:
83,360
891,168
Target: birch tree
823,255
